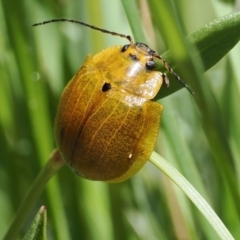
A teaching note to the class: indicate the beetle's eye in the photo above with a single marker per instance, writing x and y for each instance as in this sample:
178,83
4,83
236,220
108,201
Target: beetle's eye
106,87
150,65
124,48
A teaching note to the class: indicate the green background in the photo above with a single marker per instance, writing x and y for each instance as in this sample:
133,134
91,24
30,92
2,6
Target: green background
202,142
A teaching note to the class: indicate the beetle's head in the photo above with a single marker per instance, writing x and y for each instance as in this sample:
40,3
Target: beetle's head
150,64
142,52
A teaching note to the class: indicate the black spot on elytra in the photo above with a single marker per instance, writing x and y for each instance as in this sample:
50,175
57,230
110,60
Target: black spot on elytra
106,86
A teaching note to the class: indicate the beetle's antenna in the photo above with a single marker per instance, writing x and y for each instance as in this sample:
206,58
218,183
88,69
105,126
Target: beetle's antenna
165,64
129,38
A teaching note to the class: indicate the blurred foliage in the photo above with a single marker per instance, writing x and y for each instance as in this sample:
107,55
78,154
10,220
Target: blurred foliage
199,136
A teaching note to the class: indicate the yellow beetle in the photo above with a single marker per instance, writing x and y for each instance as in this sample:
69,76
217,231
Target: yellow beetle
106,125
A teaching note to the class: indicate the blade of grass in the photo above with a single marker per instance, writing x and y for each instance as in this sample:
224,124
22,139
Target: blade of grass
37,231
195,197
134,19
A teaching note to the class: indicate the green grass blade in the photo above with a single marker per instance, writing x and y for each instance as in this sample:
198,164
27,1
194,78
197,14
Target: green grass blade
195,197
212,43
37,231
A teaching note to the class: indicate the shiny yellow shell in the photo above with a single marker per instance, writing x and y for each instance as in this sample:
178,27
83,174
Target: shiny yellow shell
106,124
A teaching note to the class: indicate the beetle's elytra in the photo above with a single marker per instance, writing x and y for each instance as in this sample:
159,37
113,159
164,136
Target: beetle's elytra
106,124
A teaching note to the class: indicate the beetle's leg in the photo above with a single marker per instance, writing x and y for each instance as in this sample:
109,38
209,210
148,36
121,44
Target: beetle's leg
165,80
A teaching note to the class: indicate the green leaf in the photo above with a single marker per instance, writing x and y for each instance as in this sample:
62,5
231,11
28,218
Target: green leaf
216,39
212,41
37,230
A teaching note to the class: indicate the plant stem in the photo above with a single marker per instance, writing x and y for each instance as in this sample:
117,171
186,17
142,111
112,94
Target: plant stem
52,166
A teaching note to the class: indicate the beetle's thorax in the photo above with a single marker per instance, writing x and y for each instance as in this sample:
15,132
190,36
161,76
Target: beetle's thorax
130,68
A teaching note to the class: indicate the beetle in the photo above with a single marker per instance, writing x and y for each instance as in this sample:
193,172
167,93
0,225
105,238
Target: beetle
107,124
